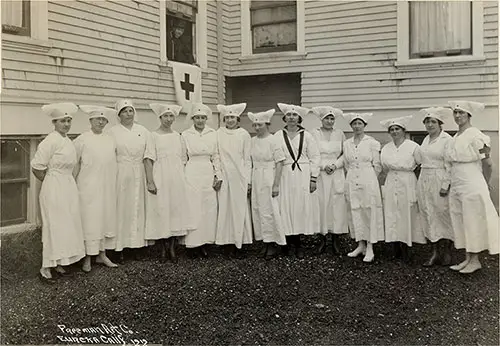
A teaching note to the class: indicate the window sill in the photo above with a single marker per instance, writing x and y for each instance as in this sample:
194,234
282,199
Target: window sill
25,44
165,66
274,56
447,61
21,227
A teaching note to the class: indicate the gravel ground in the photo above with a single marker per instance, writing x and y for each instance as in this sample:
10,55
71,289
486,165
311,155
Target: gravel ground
219,301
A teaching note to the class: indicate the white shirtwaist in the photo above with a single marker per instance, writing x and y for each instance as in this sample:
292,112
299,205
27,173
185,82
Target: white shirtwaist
402,222
202,164
473,216
169,213
234,224
299,208
364,203
333,206
267,223
62,235
96,182
130,185
434,176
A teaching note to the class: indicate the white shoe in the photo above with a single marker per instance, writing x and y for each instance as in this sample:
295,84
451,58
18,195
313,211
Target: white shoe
358,251
106,261
45,272
460,266
471,267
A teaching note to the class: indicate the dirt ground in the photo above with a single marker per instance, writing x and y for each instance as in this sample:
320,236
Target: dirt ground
324,299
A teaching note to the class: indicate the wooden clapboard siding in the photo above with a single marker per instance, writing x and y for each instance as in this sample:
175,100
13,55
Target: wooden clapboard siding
351,55
108,50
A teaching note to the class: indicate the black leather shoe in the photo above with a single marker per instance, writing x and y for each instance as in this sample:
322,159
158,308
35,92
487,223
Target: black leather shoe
299,252
322,245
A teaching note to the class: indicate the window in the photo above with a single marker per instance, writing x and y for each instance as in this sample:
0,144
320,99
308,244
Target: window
439,31
181,30
14,179
440,28
273,26
16,18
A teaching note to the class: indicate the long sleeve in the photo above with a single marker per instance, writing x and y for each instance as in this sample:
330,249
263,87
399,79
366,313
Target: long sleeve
184,156
215,157
375,150
313,154
247,148
447,167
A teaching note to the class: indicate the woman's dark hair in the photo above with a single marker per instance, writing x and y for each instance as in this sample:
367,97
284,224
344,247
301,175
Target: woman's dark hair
439,121
300,119
364,122
401,127
224,119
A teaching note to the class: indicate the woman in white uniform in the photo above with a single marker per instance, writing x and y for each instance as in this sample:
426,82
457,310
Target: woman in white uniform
169,215
362,189
267,165
331,179
96,179
234,223
53,164
203,177
473,215
398,157
298,200
130,140
433,185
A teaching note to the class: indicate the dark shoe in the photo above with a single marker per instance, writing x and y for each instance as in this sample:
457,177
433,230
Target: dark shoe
405,253
335,244
203,251
397,250
322,245
119,257
431,261
271,252
285,250
300,253
65,274
48,281
264,250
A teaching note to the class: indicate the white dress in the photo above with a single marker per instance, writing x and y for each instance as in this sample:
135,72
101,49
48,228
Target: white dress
434,176
130,185
362,190
234,224
473,216
62,235
266,217
169,213
299,208
202,164
96,182
402,221
333,206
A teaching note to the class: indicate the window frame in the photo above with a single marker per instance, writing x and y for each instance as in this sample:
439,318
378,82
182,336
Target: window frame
25,182
403,39
24,30
247,33
39,26
201,57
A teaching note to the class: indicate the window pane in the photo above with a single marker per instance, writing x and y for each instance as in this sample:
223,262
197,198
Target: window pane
440,28
13,203
14,159
277,14
180,41
275,35
16,17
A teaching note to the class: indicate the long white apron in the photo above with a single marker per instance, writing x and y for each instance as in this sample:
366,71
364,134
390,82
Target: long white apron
234,224
201,166
62,235
96,182
266,217
130,186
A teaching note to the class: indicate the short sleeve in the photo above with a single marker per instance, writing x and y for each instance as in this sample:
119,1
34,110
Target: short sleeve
150,152
278,154
43,154
479,141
